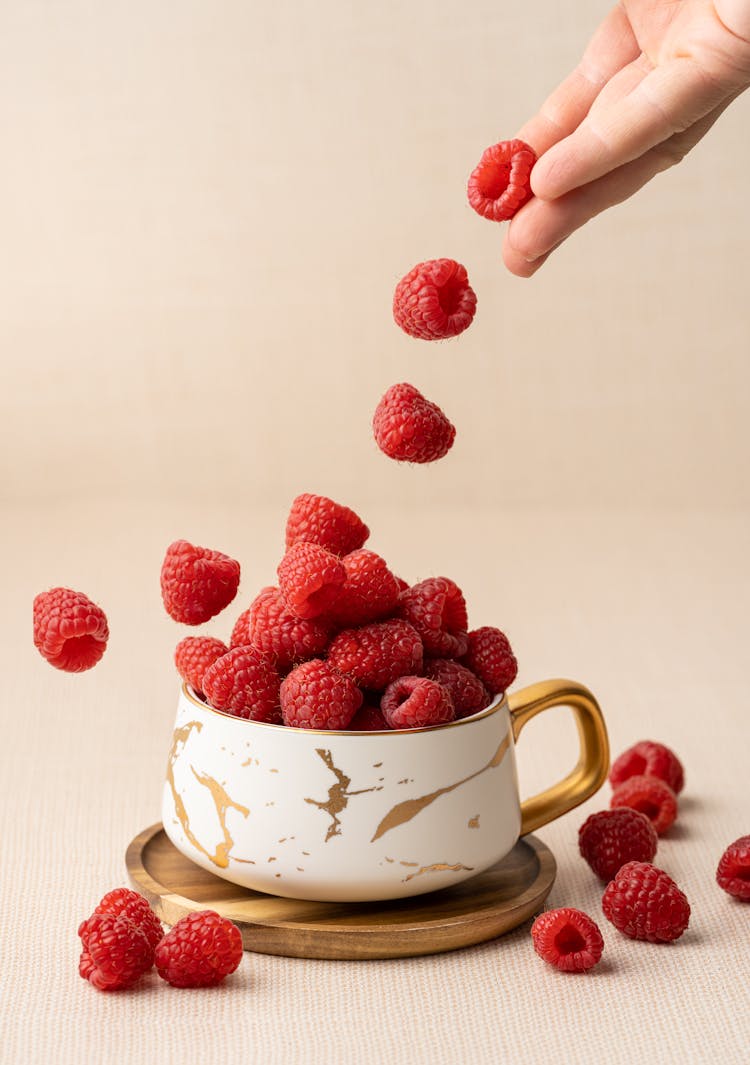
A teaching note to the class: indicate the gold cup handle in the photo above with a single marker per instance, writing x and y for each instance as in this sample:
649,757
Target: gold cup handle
593,761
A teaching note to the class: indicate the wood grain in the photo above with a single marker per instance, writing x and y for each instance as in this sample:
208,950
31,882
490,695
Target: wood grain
478,909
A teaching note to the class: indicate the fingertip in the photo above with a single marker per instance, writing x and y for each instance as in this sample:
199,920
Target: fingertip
516,262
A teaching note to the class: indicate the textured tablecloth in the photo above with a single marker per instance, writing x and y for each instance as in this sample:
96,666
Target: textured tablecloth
648,609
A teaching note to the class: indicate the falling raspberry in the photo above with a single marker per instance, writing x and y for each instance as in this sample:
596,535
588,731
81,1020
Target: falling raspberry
434,300
196,582
409,428
568,939
500,184
70,631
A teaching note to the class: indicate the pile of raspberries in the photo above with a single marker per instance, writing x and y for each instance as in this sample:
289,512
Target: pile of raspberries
640,900
340,642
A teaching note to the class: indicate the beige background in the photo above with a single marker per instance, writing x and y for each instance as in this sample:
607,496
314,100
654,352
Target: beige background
205,208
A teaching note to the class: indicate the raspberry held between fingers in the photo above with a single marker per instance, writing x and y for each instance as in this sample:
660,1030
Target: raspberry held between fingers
500,184
434,300
70,631
410,428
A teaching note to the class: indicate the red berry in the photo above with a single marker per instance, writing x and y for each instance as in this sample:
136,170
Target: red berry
194,655
319,520
437,610
69,630
116,952
416,702
310,579
490,656
369,593
649,759
568,939
377,654
197,583
368,719
434,300
315,696
644,903
199,951
273,630
651,796
409,428
466,690
126,903
610,838
733,873
500,184
244,683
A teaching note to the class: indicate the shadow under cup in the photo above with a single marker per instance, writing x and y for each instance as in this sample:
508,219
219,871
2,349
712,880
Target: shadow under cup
364,816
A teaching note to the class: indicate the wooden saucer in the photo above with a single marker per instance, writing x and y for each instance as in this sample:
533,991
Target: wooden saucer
473,911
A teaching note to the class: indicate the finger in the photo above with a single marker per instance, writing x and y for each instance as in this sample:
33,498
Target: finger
541,226
669,100
612,47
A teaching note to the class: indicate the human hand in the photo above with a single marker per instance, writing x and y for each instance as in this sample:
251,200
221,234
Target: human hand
653,80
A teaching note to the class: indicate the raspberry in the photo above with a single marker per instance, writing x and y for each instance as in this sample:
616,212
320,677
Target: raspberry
416,702
369,593
122,902
437,610
116,952
315,696
69,630
651,796
651,760
268,626
644,903
489,655
377,654
310,579
244,683
610,838
319,520
733,873
199,951
466,690
434,300
409,428
499,185
368,719
197,583
568,939
194,655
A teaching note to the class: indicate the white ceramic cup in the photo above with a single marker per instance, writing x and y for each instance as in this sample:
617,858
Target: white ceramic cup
356,816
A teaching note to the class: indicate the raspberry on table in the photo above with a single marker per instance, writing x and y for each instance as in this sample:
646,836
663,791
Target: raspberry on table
733,872
434,300
194,655
196,582
369,593
568,939
116,952
70,631
320,520
199,951
416,702
310,579
244,683
490,656
649,759
409,428
643,902
126,903
466,690
437,610
315,696
651,796
374,655
500,183
610,838
270,627
368,719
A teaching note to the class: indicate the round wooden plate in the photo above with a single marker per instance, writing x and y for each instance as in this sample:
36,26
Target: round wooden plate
473,911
